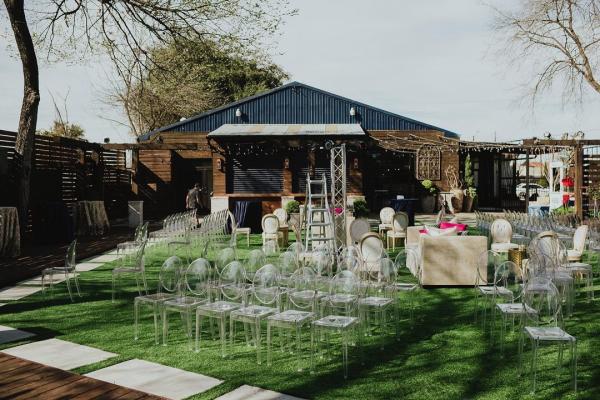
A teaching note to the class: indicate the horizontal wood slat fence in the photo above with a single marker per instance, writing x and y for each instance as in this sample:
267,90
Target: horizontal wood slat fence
64,171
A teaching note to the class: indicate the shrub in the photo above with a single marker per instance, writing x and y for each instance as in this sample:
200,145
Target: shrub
429,186
292,207
360,209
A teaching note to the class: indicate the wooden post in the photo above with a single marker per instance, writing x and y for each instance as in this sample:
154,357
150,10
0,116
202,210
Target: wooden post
578,187
527,181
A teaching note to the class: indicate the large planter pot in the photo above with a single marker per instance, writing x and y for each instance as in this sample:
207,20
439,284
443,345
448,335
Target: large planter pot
467,204
457,199
428,204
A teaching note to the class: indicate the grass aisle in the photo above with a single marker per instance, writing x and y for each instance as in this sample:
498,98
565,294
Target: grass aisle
443,355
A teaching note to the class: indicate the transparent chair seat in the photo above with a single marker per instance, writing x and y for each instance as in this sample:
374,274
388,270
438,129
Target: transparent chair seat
373,301
515,308
184,301
219,307
336,322
405,287
155,297
254,311
549,333
292,316
340,299
576,267
497,290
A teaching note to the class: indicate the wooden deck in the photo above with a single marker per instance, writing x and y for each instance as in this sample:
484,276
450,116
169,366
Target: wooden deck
23,379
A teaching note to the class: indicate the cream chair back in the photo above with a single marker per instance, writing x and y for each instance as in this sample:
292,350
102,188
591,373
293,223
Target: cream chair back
270,224
386,215
501,231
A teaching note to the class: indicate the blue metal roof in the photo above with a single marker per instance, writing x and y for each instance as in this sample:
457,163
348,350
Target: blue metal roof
297,103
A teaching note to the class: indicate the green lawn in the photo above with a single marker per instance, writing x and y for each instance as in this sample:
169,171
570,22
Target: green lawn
443,354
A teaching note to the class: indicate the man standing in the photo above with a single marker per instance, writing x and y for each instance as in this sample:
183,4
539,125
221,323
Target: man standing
192,200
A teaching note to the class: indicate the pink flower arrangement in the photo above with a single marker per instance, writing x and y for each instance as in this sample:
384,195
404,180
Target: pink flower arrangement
338,210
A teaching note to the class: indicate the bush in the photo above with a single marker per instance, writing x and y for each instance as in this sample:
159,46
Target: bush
429,186
292,207
360,209
563,211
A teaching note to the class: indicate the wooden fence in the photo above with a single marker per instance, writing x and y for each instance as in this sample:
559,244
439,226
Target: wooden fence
64,171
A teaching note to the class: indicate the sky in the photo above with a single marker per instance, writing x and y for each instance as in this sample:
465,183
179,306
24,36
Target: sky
434,61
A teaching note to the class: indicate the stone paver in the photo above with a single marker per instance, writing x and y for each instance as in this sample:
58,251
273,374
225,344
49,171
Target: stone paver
247,392
87,266
18,292
59,353
37,281
155,379
101,259
8,334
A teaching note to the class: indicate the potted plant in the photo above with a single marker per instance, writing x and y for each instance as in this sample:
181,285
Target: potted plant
428,199
360,209
470,192
469,199
292,208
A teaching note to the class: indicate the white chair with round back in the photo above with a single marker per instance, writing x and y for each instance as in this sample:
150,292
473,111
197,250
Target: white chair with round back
386,215
501,232
398,231
270,235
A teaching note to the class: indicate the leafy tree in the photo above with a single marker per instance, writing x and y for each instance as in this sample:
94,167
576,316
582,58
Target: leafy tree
188,77
63,129
125,30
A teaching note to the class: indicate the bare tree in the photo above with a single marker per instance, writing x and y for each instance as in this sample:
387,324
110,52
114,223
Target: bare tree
123,29
559,38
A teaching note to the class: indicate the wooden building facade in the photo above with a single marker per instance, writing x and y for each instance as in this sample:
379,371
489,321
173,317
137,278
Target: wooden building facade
260,149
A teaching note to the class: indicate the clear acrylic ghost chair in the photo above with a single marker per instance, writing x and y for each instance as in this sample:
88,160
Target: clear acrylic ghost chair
407,259
231,296
516,309
299,310
223,257
341,317
484,266
193,291
256,259
545,327
168,283
68,271
136,268
380,298
262,302
321,261
288,264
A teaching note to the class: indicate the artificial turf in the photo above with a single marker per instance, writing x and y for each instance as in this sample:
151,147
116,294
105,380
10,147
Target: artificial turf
442,354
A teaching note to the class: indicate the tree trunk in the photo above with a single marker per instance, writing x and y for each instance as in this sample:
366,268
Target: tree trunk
29,107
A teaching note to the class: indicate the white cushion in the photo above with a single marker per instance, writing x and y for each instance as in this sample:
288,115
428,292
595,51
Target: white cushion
574,254
503,247
440,232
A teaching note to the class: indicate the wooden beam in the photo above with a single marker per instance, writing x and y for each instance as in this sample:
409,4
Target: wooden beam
154,146
578,187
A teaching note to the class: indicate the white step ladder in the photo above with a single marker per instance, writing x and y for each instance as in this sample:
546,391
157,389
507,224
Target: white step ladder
319,223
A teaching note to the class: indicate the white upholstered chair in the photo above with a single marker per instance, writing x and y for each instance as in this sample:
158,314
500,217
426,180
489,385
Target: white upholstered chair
371,250
358,228
270,235
398,231
501,232
386,215
579,238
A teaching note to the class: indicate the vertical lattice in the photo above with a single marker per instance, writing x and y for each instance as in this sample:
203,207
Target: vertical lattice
338,193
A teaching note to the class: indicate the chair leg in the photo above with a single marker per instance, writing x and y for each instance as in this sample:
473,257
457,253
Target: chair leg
136,311
76,279
113,287
69,285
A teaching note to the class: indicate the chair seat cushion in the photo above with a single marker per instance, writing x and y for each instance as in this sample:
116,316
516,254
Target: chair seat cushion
394,234
503,247
574,255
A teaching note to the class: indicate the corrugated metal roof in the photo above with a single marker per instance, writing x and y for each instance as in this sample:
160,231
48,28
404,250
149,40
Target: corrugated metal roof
297,103
229,130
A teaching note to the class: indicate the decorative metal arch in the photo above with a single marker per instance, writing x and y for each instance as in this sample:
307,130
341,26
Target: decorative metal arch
428,162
